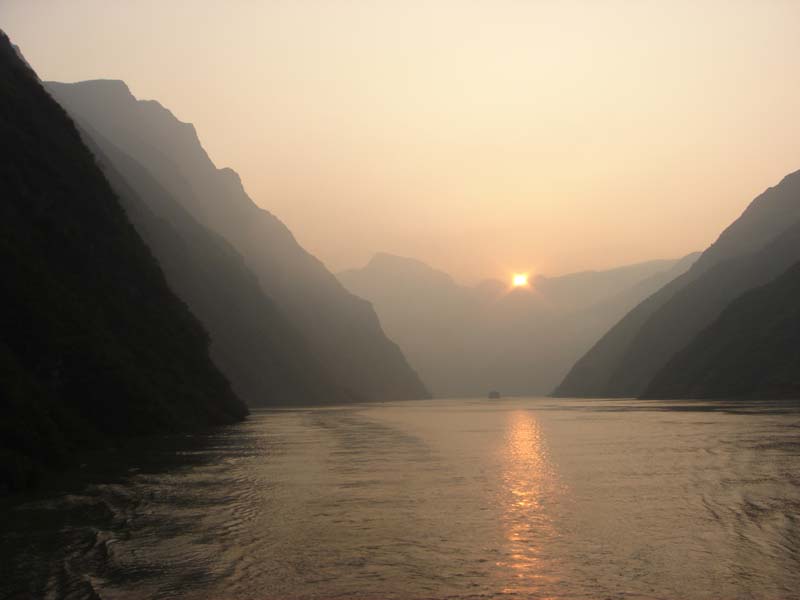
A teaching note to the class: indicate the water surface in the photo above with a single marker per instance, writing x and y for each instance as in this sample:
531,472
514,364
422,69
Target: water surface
518,498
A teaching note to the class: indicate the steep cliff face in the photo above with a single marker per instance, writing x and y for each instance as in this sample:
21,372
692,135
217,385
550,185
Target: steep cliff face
755,249
341,329
751,351
264,357
93,340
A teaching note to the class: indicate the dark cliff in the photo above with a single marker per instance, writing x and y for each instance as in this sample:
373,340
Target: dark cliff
264,357
751,351
342,330
94,344
752,251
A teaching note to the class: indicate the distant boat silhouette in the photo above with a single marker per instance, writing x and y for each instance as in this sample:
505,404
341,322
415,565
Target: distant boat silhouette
494,395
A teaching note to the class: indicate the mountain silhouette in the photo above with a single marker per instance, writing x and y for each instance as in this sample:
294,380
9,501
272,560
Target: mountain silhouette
752,251
466,340
752,350
94,343
341,330
264,357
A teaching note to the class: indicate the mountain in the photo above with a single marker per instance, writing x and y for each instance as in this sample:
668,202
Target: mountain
467,340
264,357
426,313
752,251
586,288
341,330
614,306
752,350
94,343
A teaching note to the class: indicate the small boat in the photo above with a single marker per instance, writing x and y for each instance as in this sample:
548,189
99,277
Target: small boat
494,395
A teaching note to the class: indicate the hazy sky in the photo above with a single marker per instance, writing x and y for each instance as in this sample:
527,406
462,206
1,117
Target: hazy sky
480,136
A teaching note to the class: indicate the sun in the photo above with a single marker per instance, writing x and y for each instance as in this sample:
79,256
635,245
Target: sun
519,279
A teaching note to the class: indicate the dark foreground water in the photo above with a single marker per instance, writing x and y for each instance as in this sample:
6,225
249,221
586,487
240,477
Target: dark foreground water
523,498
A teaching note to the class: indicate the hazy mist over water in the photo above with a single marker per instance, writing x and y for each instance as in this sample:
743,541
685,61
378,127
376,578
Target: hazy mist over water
517,498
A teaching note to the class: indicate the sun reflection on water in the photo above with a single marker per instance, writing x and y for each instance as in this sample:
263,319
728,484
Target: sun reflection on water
531,489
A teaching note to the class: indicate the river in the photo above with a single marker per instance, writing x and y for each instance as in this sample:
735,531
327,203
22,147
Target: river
512,498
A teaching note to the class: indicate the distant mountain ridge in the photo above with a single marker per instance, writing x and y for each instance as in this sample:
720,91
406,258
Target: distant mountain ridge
756,248
340,329
94,343
468,340
585,288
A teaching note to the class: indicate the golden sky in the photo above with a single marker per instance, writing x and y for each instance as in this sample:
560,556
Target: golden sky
482,137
